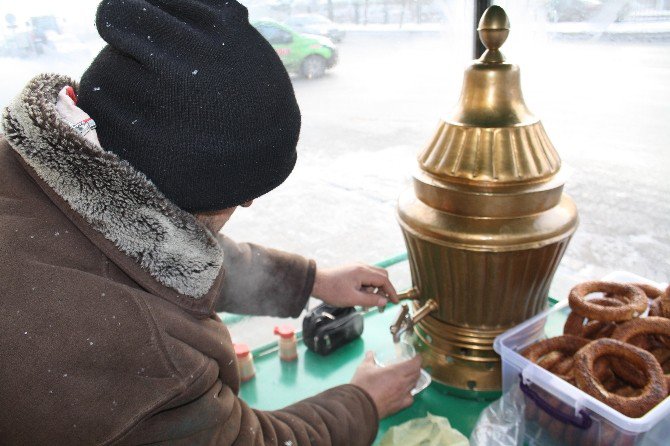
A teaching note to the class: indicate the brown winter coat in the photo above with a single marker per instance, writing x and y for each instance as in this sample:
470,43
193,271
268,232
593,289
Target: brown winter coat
107,296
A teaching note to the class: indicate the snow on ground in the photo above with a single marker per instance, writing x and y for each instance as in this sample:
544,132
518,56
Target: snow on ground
16,72
603,104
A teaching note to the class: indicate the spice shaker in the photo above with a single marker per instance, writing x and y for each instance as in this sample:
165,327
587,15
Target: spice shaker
288,344
245,362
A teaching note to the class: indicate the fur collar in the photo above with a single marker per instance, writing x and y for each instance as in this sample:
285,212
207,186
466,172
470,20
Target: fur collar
113,198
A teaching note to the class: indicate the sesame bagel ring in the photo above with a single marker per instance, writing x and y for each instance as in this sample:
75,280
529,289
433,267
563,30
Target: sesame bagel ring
662,355
584,327
651,291
635,301
652,325
661,305
654,391
642,326
566,346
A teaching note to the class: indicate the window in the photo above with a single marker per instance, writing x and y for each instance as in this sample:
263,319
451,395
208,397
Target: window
595,72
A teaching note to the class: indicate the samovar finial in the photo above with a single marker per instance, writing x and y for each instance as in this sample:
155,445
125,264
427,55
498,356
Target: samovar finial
493,30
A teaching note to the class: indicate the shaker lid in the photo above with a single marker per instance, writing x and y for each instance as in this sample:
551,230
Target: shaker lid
241,350
285,331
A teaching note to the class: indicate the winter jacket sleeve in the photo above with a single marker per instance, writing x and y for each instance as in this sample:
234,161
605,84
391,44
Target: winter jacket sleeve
201,406
264,282
341,416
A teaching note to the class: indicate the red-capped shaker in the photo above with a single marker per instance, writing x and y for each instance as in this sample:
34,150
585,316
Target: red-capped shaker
245,362
288,344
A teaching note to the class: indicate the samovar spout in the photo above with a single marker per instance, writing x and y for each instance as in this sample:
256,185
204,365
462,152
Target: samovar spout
424,311
411,294
405,322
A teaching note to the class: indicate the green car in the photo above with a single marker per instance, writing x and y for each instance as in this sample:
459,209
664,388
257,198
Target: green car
307,54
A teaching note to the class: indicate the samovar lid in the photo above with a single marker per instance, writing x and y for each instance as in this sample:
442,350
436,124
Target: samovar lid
491,139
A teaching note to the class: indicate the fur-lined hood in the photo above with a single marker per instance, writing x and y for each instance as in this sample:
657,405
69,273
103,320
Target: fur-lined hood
111,196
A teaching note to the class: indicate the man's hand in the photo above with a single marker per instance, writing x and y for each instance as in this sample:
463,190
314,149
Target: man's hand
363,285
388,386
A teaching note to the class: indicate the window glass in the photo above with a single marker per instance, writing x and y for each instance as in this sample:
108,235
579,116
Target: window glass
595,73
44,36
372,78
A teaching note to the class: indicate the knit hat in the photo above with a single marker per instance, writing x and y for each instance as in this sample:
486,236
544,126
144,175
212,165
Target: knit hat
190,94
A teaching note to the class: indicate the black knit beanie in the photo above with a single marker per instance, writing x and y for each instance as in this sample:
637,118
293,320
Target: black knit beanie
190,94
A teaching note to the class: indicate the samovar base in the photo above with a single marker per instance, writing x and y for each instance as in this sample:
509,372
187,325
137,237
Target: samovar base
461,359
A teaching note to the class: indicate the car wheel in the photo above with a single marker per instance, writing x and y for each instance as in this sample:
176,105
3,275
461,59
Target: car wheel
313,66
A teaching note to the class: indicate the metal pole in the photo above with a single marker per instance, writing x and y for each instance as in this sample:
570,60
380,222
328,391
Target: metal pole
480,7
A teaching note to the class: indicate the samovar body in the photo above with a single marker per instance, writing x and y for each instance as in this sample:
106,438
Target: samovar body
486,221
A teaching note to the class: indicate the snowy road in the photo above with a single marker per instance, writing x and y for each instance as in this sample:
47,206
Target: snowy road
606,111
605,106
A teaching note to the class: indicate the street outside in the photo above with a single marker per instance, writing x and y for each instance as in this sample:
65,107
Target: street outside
604,104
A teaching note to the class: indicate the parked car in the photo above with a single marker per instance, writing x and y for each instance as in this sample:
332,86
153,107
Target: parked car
305,54
316,24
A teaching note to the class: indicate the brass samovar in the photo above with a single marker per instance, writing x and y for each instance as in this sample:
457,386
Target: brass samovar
486,222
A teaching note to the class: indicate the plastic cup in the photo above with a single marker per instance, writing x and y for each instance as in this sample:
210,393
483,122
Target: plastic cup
401,352
394,353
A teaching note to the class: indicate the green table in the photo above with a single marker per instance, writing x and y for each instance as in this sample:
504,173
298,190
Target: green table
278,384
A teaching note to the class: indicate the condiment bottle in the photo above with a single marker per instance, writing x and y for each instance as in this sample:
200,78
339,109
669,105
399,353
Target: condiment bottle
245,362
288,344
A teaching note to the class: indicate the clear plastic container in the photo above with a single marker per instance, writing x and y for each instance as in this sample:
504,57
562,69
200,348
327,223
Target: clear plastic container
557,413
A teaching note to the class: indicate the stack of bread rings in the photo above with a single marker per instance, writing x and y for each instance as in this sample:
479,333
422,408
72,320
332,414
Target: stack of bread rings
610,351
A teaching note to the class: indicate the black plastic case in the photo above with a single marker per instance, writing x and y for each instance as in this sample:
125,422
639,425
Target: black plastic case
326,328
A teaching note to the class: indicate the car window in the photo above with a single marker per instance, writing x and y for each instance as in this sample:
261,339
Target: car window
273,34
268,32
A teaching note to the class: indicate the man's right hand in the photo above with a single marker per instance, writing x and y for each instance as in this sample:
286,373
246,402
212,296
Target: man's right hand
388,386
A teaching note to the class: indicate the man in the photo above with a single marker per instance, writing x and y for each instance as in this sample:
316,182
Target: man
111,263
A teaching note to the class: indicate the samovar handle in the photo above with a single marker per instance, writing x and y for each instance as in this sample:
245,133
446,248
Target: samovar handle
411,294
404,322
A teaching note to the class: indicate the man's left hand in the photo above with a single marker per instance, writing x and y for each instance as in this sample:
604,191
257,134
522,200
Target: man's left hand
350,285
